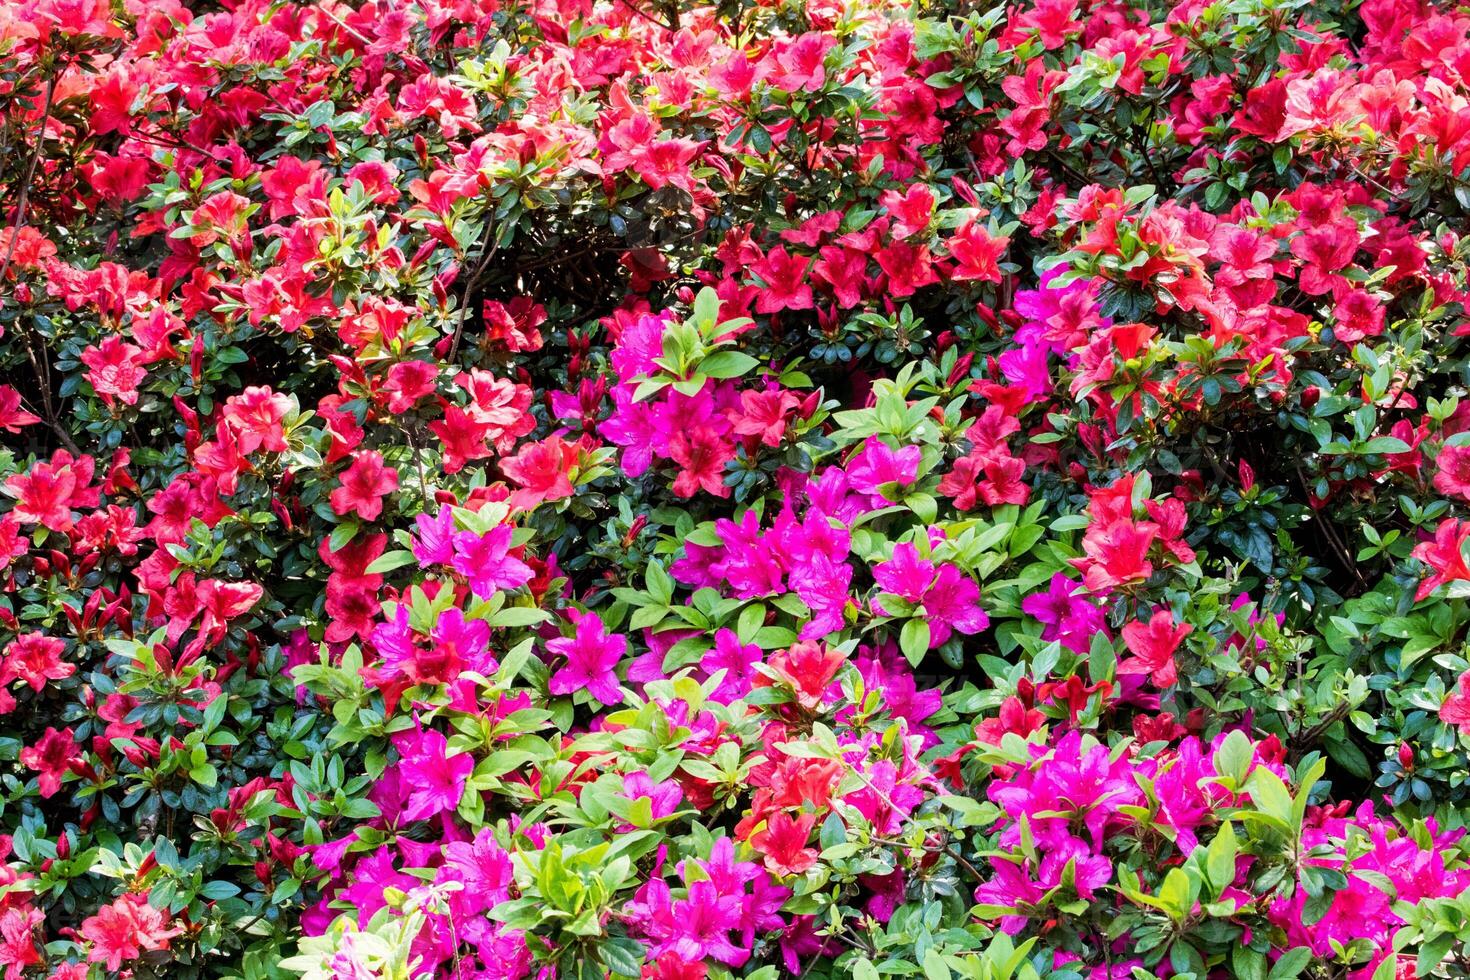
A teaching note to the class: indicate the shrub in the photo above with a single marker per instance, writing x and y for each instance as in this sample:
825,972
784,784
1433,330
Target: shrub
641,489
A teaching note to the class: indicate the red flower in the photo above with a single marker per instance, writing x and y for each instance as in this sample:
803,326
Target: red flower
221,602
364,484
1456,708
783,843
909,267
784,278
1153,645
34,658
808,667
1003,483
126,929
911,211
1117,554
543,470
1445,556
763,413
463,437
976,253
515,325
352,608
12,416
701,455
52,757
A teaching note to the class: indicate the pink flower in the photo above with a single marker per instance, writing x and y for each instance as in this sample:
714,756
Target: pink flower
114,370
485,561
950,599
737,660
876,465
18,940
800,62
1452,476
35,658
53,757
435,779
125,930
364,484
592,657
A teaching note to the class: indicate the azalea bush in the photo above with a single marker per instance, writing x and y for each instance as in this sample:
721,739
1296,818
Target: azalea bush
656,489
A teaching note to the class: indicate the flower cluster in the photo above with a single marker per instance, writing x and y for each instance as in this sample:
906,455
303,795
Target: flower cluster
505,489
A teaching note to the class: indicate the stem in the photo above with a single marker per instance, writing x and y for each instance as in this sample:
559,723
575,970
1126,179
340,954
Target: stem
464,298
25,187
39,363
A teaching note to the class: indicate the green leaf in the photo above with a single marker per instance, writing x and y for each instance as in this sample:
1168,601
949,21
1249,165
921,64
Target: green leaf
390,560
913,640
1220,858
1248,964
1291,964
726,364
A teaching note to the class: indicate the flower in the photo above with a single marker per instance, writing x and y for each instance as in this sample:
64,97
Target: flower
1456,707
486,563
783,843
35,658
592,657
1153,645
435,778
542,469
12,416
364,484
17,940
53,756
114,371
1445,556
125,930
701,455
1068,615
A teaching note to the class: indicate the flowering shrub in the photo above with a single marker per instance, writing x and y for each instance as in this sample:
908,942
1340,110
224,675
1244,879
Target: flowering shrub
498,489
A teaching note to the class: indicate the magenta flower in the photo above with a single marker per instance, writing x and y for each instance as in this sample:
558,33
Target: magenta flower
953,605
950,598
485,562
592,659
703,923
463,642
434,538
1066,612
664,798
737,660
435,779
876,465
905,575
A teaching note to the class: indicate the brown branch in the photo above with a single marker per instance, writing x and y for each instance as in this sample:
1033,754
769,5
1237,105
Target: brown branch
39,363
25,187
